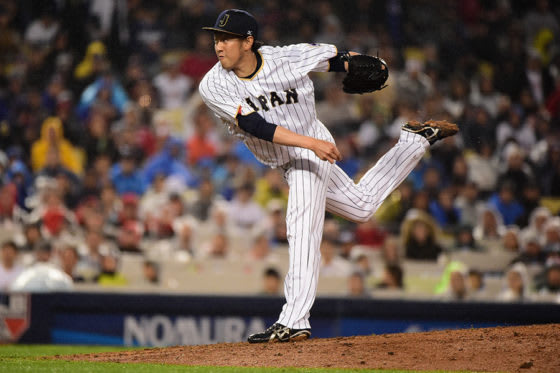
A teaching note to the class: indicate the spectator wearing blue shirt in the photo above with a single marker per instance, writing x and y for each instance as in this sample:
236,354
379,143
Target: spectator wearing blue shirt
19,174
168,162
444,211
350,163
504,201
117,95
126,177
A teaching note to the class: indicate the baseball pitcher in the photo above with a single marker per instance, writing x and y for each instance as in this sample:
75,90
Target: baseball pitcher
265,96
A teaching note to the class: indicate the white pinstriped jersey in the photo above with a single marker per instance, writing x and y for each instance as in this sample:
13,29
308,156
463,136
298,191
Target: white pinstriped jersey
281,92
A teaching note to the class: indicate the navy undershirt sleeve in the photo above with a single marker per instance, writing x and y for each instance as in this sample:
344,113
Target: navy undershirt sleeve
336,63
257,126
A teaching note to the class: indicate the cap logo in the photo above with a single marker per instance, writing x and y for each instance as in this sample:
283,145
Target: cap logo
224,20
250,33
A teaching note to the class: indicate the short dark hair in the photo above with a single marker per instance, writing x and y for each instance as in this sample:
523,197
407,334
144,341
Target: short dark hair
34,224
475,272
256,45
271,272
44,246
11,244
151,263
397,273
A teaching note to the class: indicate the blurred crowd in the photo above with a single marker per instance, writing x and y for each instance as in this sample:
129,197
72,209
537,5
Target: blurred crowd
107,149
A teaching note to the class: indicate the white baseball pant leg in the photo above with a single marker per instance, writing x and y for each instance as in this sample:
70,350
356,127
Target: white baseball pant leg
358,202
317,185
308,178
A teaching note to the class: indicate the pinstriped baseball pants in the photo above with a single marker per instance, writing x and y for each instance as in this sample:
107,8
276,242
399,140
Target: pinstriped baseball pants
316,186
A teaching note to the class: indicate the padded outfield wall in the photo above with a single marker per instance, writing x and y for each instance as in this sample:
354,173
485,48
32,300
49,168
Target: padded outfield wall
164,320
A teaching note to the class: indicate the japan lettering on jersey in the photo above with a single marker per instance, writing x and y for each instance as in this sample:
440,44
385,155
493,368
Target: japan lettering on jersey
281,92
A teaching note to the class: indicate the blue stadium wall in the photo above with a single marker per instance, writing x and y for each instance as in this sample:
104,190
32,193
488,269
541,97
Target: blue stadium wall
164,320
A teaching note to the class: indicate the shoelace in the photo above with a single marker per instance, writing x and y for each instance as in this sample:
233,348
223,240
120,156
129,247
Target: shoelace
274,328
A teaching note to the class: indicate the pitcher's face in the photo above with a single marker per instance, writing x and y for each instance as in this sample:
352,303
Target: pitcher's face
228,49
231,49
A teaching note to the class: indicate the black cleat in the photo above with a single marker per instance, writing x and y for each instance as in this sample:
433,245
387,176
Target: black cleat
432,130
280,333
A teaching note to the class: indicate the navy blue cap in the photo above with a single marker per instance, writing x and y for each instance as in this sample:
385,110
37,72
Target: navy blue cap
236,22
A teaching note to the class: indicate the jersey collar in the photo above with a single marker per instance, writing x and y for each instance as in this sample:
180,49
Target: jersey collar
258,68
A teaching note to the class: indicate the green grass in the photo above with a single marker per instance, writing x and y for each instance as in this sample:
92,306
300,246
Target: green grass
27,358
23,351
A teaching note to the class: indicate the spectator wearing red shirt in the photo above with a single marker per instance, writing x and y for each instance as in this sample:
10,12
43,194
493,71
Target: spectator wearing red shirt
200,61
201,145
370,234
8,194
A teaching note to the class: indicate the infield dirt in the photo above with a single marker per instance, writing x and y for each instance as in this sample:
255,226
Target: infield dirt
534,348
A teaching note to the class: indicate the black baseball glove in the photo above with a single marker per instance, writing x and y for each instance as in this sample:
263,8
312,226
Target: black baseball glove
365,74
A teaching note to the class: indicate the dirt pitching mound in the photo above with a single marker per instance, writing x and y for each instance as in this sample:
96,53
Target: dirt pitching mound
533,348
